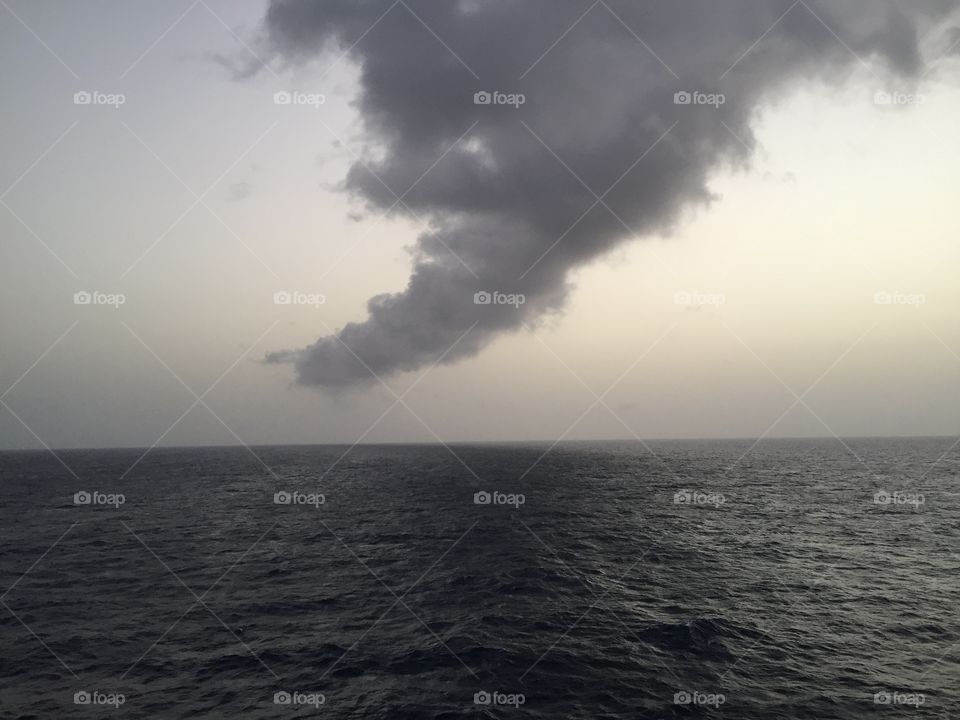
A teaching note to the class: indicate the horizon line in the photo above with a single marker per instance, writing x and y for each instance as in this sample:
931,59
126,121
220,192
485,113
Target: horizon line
441,444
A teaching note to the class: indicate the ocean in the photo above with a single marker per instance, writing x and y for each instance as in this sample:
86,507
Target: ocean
792,579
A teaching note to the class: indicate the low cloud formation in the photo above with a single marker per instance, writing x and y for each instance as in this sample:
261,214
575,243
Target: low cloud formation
532,137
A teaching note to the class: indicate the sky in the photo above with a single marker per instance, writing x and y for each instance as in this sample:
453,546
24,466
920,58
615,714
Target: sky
778,262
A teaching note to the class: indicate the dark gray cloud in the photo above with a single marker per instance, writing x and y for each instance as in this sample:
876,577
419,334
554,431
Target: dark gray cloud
514,206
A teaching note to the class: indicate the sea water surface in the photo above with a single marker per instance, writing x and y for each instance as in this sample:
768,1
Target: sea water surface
793,579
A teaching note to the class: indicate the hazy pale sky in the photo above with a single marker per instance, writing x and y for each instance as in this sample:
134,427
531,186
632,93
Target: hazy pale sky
825,266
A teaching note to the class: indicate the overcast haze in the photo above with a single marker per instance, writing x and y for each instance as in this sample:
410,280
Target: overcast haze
781,263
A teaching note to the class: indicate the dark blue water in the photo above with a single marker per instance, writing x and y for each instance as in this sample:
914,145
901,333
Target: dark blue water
774,587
